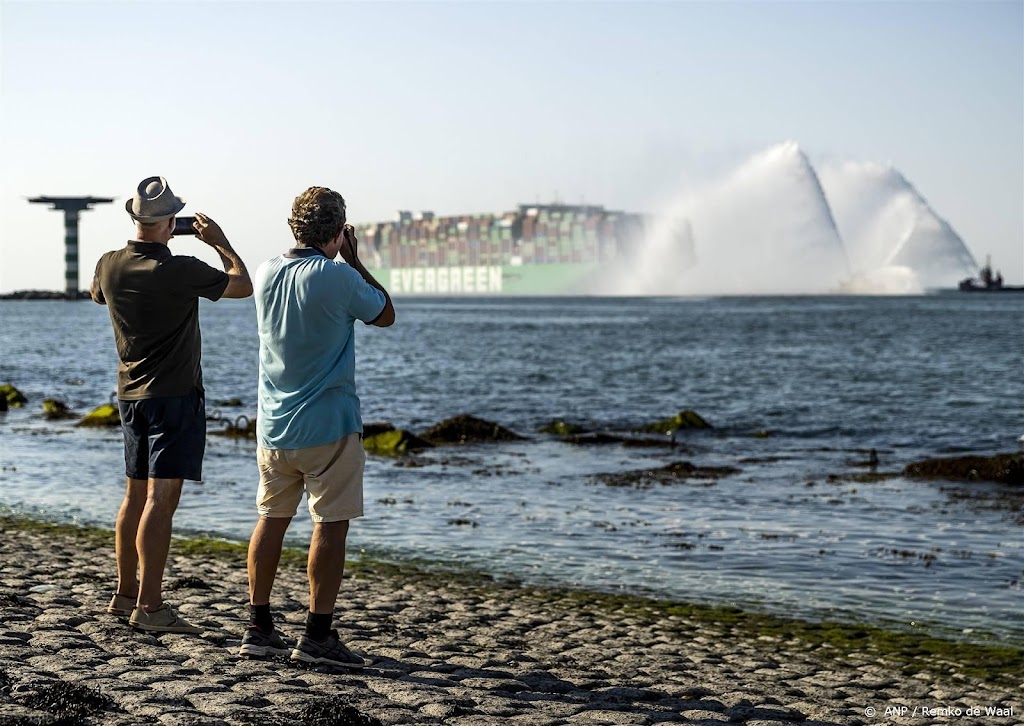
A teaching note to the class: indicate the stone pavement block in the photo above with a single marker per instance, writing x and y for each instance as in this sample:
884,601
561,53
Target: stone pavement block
505,685
704,715
189,718
612,718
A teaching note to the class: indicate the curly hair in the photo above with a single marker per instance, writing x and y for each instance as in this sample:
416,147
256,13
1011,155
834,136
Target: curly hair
318,215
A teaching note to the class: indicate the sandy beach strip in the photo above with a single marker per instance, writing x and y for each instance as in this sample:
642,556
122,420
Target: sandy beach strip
452,649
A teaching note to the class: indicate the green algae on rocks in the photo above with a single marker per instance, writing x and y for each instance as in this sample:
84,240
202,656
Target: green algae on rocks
686,419
105,415
394,442
55,410
13,397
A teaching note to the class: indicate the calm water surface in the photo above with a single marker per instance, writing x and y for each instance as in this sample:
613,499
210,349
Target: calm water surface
827,378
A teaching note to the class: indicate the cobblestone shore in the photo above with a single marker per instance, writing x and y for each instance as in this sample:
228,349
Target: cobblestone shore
441,650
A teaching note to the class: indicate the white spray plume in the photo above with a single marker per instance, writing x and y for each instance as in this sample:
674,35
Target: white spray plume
886,222
775,225
763,229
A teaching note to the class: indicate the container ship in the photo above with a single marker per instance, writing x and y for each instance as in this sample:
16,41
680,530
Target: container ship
552,249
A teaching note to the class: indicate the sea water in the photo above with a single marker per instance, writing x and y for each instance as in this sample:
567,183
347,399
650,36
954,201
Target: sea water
797,389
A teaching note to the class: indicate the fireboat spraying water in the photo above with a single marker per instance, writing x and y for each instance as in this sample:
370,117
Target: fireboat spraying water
987,281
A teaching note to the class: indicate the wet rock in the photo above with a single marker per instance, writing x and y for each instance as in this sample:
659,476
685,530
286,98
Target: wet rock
865,477
594,439
393,442
561,428
1002,468
105,415
602,438
686,419
240,428
466,429
3,404
462,522
229,402
14,397
675,473
56,410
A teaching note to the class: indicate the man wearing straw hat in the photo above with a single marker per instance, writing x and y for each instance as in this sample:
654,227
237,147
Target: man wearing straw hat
153,299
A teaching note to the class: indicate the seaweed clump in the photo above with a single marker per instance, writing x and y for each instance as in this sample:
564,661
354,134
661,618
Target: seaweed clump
466,429
241,428
189,582
333,713
1002,468
70,703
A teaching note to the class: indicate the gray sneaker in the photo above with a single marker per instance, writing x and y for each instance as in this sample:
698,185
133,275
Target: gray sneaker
162,620
121,605
326,652
257,643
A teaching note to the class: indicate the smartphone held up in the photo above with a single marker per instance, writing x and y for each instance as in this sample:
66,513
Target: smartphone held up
183,227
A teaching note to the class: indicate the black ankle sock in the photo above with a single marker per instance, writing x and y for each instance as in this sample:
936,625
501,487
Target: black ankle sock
318,625
259,615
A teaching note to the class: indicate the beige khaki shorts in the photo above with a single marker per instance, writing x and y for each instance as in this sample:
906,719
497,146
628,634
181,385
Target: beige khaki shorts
331,475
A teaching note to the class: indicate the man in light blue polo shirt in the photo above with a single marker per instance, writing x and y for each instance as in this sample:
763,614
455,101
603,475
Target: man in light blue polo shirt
308,424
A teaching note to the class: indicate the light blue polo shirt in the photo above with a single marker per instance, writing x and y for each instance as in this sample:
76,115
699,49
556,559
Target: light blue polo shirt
306,308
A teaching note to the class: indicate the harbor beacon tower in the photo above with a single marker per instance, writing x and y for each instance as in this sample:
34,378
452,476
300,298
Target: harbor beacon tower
71,206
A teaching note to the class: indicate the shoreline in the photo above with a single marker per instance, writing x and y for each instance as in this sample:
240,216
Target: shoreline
838,626
453,647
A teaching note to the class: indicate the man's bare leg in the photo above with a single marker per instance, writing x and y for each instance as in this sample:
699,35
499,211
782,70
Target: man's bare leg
154,539
125,532
264,556
326,565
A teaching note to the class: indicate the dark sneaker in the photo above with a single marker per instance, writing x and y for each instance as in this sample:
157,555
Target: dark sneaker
121,605
257,643
326,652
162,620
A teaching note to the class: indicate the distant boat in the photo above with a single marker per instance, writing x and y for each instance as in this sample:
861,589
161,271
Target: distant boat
987,282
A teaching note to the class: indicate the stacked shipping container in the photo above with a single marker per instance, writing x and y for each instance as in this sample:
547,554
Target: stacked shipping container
535,234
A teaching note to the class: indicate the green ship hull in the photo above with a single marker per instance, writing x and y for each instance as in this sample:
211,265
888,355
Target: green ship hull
529,279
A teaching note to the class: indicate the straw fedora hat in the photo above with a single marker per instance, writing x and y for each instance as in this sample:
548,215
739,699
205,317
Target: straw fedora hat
153,201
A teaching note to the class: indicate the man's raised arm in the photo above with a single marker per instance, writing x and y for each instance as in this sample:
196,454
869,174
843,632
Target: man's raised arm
239,283
350,253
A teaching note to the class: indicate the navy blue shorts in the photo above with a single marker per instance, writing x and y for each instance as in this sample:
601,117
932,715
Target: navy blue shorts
164,438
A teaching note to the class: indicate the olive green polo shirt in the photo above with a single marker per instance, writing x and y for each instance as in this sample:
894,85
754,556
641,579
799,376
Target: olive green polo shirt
153,300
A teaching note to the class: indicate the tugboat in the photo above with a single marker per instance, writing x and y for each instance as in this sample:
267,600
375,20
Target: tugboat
987,282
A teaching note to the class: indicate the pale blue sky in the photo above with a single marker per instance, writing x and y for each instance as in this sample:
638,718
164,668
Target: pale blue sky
471,107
